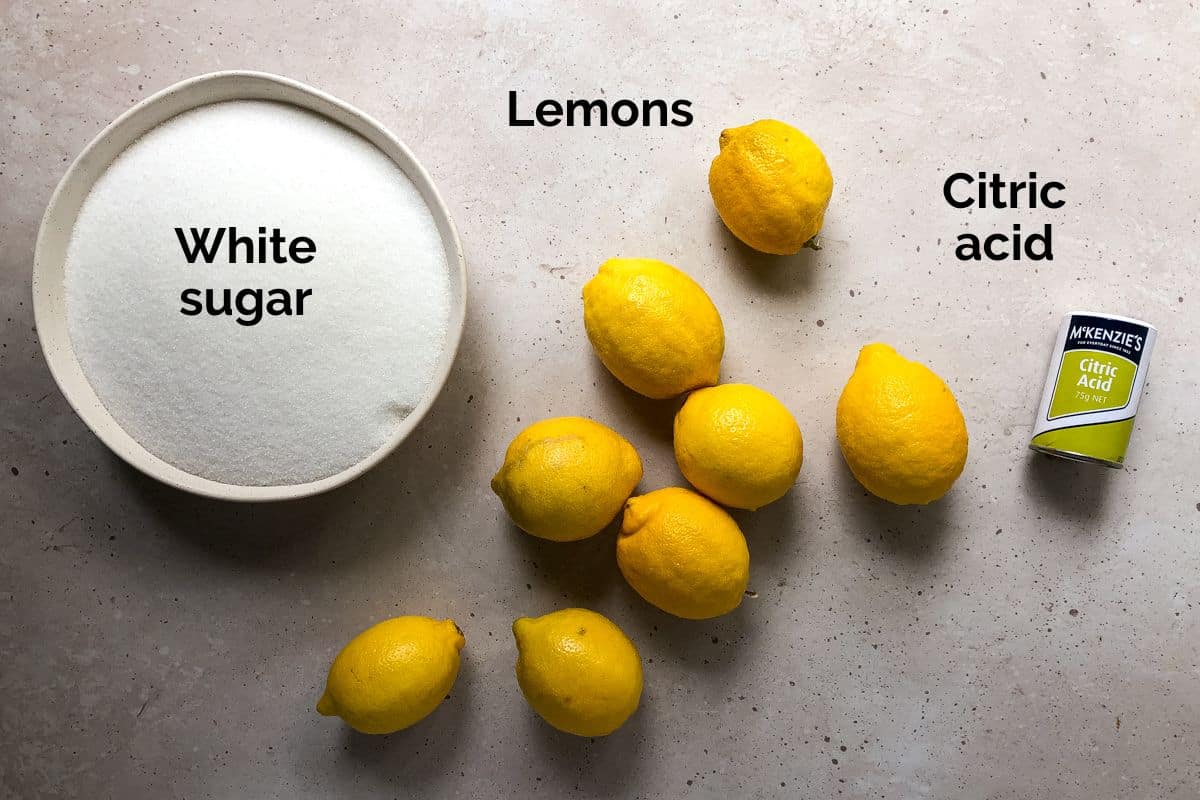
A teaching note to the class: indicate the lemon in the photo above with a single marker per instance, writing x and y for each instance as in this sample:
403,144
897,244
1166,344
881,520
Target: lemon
738,445
565,478
578,671
392,675
683,553
900,429
771,186
653,327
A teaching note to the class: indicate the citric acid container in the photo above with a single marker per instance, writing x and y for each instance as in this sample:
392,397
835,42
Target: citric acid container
1097,372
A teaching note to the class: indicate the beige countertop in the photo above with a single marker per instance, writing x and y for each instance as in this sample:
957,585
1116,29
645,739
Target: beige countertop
1034,634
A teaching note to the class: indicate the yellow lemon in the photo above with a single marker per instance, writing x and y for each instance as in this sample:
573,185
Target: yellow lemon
578,671
653,327
683,553
565,478
738,445
392,675
900,429
771,186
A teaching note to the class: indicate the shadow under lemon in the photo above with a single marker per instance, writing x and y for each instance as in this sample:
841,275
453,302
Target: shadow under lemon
582,573
609,765
424,753
652,419
917,532
777,275
720,644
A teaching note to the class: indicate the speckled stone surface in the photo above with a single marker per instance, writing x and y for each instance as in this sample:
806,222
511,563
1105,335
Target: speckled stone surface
1032,635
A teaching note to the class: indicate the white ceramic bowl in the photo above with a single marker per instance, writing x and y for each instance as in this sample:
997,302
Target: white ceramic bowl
49,305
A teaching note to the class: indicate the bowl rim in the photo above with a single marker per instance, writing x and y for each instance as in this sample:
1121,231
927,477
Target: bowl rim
62,211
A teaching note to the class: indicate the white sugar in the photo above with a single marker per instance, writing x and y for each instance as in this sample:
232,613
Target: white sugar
289,399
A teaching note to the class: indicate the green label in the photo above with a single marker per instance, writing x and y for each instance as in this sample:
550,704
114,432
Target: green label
1089,381
1106,441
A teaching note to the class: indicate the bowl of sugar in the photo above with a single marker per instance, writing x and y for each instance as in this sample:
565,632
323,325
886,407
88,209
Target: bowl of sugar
249,289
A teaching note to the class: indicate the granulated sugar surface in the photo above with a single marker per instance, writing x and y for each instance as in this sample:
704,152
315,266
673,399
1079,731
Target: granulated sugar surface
290,399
